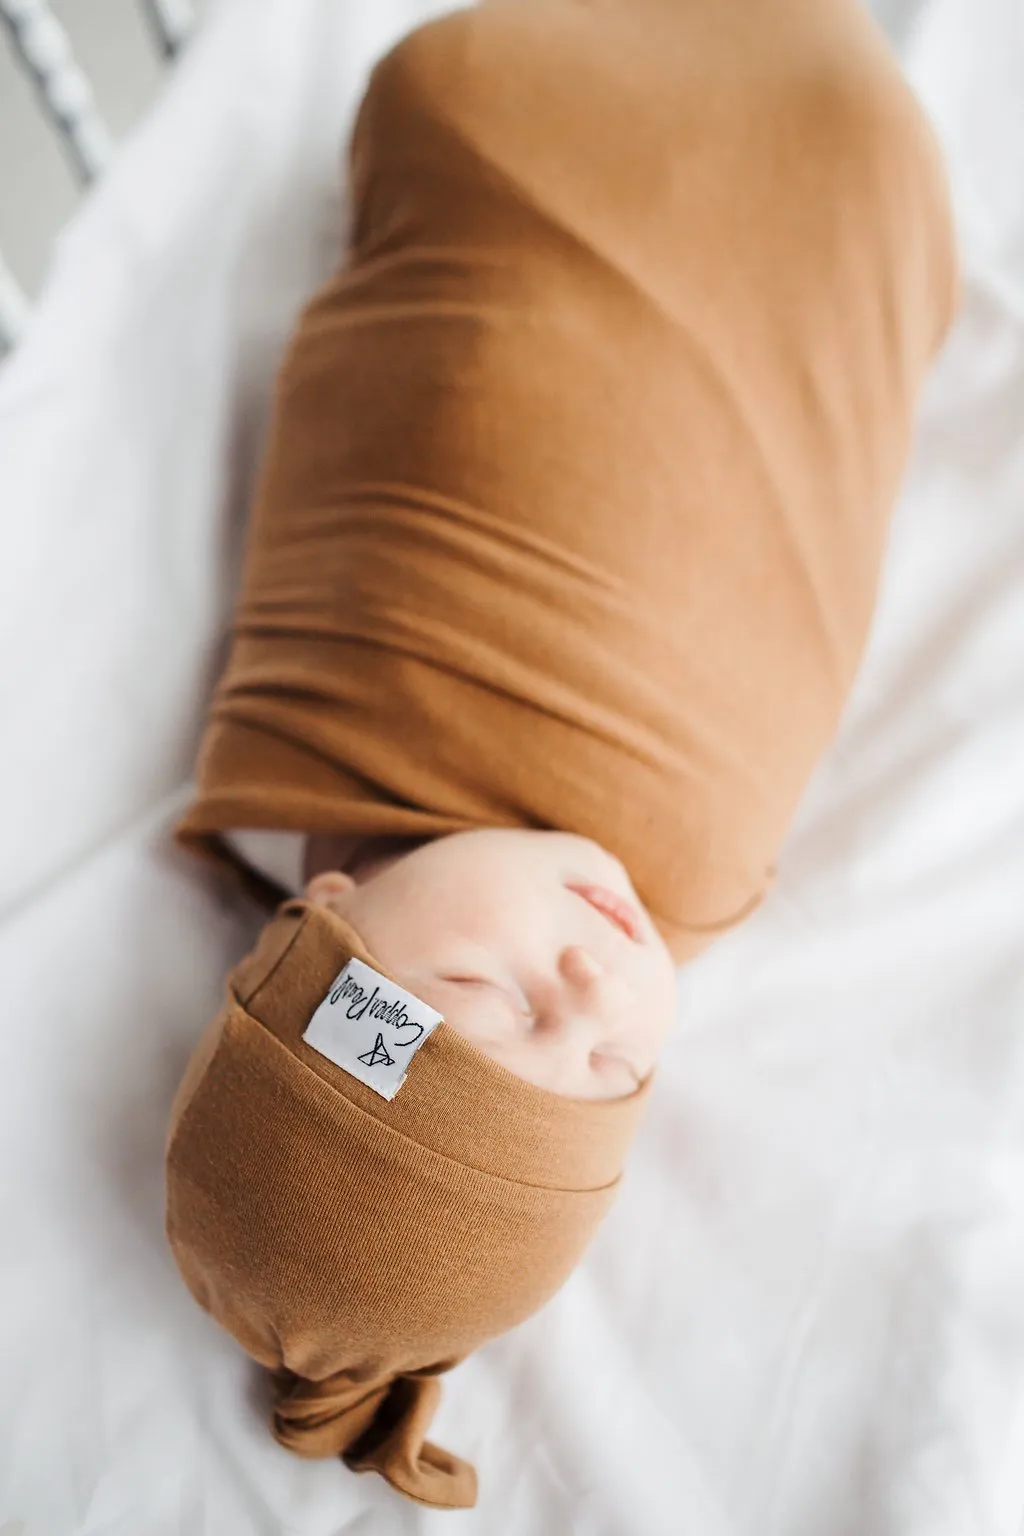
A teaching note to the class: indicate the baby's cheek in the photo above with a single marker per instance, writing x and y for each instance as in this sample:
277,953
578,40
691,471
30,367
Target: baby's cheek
661,1013
499,1043
487,1033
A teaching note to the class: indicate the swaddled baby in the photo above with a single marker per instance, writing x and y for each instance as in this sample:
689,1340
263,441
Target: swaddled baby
561,567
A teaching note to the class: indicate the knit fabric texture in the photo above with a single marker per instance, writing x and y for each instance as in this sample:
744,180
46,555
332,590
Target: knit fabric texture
358,1247
581,466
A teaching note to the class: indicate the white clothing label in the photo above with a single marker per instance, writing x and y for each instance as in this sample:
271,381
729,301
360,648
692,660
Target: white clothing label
370,1027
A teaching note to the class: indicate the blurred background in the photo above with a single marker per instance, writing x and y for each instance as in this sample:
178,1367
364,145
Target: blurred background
120,47
118,51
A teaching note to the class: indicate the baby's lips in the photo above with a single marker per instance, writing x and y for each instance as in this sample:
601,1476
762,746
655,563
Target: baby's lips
613,906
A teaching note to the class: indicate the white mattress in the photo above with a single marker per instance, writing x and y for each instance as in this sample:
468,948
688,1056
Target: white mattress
806,1316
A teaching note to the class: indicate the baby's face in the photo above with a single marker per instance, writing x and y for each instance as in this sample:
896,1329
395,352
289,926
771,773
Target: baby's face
533,945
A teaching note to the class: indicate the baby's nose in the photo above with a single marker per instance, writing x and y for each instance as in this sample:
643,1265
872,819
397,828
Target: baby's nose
579,967
595,995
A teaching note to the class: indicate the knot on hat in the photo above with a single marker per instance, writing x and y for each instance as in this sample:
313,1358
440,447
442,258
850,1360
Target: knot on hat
380,1427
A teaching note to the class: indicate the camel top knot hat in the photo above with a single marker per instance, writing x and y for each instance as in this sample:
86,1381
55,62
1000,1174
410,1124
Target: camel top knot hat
361,1198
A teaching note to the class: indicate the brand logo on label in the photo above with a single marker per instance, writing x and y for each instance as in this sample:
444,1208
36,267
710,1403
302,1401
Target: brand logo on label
370,1027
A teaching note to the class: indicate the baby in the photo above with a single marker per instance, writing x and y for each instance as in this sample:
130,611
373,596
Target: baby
533,945
562,564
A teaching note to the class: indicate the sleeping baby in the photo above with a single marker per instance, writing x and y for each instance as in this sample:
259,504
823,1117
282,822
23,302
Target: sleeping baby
561,566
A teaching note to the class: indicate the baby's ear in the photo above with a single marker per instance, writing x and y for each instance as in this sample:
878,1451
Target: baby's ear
325,887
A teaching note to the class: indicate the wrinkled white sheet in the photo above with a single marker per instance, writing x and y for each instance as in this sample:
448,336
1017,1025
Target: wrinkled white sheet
806,1317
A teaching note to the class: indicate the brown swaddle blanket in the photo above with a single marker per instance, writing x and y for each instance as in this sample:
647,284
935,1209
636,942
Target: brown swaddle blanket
572,516
581,468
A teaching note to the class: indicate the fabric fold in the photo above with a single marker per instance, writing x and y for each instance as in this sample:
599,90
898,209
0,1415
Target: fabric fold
381,1429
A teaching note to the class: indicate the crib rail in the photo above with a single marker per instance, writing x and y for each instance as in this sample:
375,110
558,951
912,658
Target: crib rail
42,48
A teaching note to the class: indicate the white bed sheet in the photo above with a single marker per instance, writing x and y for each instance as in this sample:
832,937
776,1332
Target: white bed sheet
806,1316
